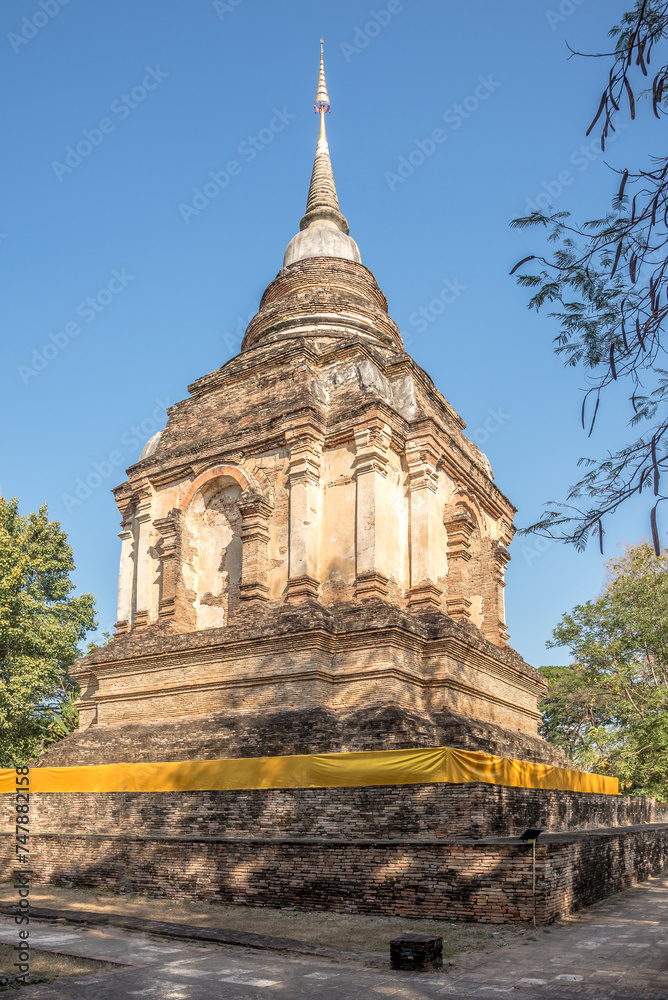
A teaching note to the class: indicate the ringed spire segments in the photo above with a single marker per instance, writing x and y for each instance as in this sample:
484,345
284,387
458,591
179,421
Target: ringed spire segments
323,229
322,97
322,206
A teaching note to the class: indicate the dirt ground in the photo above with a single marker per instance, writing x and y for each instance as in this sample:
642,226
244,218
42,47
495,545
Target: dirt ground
49,966
355,932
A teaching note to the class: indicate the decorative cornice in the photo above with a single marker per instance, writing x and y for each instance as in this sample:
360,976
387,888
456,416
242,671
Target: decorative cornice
422,459
372,446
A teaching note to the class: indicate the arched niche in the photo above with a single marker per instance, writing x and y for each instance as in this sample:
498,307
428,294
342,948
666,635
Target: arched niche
213,550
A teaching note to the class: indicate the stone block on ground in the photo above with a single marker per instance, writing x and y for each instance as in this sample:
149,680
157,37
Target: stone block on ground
416,953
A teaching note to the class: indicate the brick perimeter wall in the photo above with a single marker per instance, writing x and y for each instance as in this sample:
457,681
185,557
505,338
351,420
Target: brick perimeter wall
579,870
387,811
489,882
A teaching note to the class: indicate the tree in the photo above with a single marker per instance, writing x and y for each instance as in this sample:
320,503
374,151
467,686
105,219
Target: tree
609,709
609,280
40,626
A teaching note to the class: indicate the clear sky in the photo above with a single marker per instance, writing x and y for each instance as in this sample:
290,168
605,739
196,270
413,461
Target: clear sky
117,293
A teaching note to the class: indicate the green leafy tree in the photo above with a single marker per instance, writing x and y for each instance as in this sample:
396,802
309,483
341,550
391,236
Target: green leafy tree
609,709
40,626
608,279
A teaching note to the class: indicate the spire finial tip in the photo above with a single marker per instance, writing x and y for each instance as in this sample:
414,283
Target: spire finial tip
321,97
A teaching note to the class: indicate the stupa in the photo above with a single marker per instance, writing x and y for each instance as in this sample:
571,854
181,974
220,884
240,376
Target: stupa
312,550
312,561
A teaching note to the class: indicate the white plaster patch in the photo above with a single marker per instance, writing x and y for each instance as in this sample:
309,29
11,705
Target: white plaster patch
150,446
371,378
344,375
403,396
476,610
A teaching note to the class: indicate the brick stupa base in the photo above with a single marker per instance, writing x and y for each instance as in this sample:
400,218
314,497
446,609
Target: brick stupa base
294,731
305,679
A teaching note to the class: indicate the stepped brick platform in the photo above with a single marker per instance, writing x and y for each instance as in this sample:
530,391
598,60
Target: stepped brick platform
443,850
488,880
471,810
294,731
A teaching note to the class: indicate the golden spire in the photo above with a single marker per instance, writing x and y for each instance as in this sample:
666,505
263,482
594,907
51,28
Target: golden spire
322,206
322,97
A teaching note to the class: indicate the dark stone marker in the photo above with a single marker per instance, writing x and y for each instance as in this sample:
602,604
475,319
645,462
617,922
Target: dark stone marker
416,952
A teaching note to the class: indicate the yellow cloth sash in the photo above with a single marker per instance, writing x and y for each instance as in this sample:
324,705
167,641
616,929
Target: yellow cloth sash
324,770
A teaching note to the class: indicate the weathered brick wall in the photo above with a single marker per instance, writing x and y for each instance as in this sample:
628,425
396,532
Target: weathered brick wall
298,731
486,881
317,286
429,811
579,870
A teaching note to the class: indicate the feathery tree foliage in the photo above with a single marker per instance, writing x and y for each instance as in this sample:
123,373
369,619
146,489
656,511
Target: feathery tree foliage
609,281
609,709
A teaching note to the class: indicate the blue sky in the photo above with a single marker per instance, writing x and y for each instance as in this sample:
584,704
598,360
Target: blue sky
116,294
